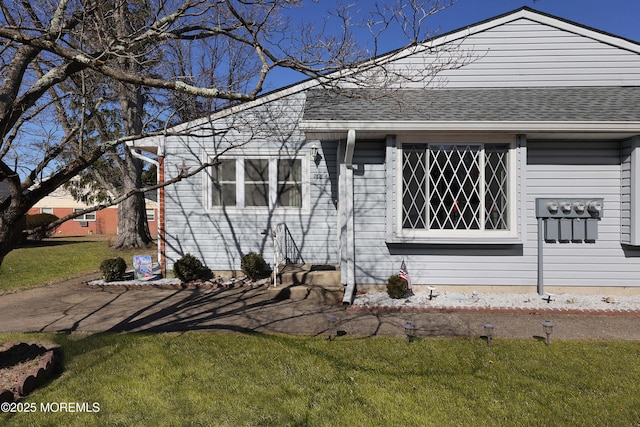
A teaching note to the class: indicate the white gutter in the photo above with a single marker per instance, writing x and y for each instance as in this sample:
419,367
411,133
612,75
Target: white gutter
347,204
323,126
135,153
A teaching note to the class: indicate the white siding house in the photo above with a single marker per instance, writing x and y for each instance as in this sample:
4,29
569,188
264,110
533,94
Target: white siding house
443,175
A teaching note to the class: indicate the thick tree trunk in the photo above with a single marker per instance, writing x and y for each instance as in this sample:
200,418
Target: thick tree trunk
133,229
10,232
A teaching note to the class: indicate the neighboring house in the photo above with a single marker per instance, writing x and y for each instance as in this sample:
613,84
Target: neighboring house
444,178
61,203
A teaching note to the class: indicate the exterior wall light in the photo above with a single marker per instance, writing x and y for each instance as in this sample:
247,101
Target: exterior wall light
548,325
488,332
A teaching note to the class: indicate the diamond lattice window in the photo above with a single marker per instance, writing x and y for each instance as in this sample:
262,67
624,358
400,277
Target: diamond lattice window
455,187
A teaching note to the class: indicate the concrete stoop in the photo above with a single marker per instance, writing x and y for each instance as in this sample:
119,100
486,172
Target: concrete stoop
309,282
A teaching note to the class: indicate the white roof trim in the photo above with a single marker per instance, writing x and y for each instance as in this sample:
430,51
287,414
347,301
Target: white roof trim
542,19
330,126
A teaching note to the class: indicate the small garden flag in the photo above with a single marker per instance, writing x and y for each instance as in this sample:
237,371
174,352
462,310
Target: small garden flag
404,275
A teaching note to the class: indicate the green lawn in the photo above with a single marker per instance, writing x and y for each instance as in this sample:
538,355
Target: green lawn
56,259
237,380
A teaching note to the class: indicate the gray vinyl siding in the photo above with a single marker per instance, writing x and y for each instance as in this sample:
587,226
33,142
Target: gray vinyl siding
582,169
221,237
438,264
553,169
370,202
524,53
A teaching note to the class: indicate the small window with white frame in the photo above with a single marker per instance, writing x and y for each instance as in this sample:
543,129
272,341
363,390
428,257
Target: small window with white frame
46,211
456,189
259,182
151,215
89,216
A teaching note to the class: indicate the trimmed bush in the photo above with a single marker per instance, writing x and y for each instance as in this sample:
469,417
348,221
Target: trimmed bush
254,266
397,287
189,268
113,269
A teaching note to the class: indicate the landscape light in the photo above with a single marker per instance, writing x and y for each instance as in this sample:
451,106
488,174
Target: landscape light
409,330
548,328
331,320
488,331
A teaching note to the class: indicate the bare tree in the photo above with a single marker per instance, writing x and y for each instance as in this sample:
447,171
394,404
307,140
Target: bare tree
131,51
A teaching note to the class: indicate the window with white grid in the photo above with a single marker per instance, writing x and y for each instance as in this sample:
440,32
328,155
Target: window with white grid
455,187
259,182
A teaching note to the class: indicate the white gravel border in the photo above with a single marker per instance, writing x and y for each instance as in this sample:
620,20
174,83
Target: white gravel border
457,300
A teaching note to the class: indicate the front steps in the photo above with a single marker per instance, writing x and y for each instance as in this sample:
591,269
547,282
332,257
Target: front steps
317,282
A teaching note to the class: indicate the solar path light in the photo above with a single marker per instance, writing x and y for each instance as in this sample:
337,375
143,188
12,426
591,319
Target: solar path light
548,325
409,330
331,321
488,331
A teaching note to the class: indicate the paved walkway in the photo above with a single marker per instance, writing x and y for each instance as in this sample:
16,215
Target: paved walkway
73,306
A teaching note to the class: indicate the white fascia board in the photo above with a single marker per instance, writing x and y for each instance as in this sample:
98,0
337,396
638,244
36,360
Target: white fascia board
197,123
334,126
586,32
492,23
535,17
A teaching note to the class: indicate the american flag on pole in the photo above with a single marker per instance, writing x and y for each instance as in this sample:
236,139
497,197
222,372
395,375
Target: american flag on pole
404,275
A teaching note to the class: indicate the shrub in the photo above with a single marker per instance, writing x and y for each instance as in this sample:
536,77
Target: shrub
189,268
39,220
254,266
113,269
397,287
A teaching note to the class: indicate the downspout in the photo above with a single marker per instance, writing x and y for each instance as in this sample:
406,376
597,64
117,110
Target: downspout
347,204
540,256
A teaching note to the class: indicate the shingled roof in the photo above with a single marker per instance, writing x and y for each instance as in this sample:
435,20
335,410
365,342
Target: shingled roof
616,104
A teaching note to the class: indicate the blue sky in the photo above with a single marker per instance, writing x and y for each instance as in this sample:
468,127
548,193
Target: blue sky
618,17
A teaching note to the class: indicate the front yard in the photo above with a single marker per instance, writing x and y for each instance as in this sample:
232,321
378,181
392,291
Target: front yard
58,258
239,379
227,379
